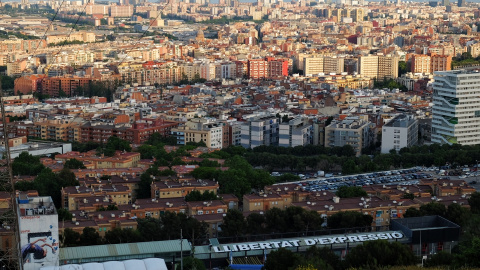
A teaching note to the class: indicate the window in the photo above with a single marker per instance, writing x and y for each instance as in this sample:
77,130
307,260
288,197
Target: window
200,212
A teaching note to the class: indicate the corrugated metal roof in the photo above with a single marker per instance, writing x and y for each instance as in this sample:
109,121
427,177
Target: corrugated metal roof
114,250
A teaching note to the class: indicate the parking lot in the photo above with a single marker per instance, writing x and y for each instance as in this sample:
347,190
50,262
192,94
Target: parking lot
410,176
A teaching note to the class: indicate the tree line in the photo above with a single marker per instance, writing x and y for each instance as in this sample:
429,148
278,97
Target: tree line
291,220
313,157
165,227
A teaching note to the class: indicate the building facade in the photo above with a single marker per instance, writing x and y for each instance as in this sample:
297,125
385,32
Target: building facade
260,131
352,131
297,132
400,132
456,103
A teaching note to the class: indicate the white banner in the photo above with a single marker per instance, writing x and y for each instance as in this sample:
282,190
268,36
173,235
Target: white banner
327,240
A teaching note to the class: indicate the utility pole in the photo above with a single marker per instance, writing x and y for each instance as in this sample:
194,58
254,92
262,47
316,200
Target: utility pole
11,257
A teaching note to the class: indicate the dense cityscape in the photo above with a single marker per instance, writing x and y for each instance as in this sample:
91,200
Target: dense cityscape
239,135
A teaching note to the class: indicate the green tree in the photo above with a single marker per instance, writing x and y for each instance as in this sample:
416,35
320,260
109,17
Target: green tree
457,213
349,167
402,68
234,224
275,220
113,144
7,82
260,178
234,181
281,259
322,258
474,202
192,263
349,219
66,178
255,223
379,253
62,93
89,237
26,164
74,163
434,208
442,258
47,184
144,186
468,254
194,195
64,214
150,228
286,177
205,173
119,236
413,212
69,238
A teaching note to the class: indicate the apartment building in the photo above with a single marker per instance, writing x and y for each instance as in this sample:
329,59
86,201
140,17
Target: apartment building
53,129
68,84
265,201
118,160
421,64
257,69
353,131
267,68
430,63
78,36
177,189
323,64
260,130
200,129
378,66
29,84
297,132
74,198
141,130
400,132
474,50
206,208
441,62
122,11
137,133
312,65
277,67
456,118
13,45
150,72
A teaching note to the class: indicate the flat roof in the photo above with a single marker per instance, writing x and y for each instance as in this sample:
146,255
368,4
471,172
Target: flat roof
114,251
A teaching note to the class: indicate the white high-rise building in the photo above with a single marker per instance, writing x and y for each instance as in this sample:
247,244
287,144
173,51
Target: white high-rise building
456,107
400,132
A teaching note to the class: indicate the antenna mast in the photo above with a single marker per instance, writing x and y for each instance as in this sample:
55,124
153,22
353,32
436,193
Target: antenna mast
10,253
